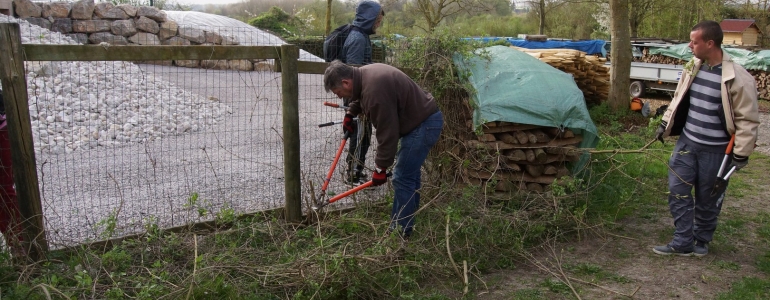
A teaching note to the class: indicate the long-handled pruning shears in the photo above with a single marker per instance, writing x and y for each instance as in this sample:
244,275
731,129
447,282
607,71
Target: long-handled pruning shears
721,177
331,169
352,191
336,156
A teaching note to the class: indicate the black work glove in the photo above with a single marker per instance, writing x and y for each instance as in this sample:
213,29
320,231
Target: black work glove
348,125
739,161
379,177
659,133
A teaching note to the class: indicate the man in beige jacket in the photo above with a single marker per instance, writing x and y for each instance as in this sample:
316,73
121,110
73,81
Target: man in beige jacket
716,99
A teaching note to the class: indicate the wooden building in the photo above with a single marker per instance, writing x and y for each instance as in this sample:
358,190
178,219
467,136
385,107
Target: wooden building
742,32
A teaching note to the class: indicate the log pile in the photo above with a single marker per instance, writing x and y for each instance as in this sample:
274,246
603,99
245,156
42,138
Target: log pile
661,59
590,73
513,157
763,83
762,78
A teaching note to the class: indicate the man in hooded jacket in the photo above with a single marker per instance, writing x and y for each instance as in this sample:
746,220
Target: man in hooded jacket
357,50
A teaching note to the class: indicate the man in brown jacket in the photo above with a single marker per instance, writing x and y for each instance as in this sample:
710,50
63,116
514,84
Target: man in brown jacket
715,100
407,122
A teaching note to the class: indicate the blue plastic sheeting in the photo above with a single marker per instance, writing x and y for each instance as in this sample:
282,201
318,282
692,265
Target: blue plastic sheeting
749,60
590,47
515,87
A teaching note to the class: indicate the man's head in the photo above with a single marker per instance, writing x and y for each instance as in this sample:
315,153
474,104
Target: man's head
706,39
338,79
368,16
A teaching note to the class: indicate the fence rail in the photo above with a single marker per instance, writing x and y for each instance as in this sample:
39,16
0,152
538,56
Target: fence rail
146,53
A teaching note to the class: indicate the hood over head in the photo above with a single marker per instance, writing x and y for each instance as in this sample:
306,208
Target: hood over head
366,13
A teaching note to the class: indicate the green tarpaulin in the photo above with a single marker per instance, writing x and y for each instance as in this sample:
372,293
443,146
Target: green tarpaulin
516,87
749,60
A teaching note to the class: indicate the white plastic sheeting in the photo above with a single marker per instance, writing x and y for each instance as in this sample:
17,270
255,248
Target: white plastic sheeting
243,33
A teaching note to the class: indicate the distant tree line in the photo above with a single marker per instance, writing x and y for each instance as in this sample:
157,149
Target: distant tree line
570,19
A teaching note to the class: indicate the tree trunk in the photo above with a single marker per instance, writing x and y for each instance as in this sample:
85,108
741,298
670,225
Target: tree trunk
328,16
620,70
542,16
634,28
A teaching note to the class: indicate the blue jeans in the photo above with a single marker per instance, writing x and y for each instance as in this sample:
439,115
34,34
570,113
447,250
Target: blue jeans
414,148
695,218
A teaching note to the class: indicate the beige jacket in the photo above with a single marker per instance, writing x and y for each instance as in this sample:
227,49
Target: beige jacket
739,99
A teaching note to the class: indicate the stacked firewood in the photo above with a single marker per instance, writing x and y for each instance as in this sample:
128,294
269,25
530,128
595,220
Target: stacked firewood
761,77
513,157
590,73
661,59
763,83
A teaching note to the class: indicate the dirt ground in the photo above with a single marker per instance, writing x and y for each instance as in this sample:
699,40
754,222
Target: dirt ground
616,261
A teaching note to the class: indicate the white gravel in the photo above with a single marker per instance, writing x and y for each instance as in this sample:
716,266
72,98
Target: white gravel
83,105
91,104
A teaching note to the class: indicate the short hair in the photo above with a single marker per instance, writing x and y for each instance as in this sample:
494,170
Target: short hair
335,73
710,31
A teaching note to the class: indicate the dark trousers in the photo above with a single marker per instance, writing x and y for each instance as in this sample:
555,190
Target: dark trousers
407,177
692,172
360,140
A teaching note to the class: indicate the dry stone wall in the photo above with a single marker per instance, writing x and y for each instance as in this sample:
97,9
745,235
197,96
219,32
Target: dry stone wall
96,23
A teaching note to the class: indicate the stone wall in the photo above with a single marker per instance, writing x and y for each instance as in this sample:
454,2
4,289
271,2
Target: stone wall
90,23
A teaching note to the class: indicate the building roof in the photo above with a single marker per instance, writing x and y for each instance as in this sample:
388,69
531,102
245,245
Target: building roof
736,25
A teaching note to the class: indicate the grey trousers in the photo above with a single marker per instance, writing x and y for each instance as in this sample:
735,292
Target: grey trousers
695,218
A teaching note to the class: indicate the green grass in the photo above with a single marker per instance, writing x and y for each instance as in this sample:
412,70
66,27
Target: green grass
763,263
529,294
727,265
594,272
748,288
348,256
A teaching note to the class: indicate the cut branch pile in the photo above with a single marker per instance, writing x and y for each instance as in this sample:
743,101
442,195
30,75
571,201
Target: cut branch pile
590,73
511,157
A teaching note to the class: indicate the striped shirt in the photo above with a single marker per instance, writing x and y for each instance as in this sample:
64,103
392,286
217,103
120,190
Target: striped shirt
704,125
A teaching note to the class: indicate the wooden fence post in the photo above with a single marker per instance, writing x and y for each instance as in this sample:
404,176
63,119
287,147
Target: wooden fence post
291,144
14,82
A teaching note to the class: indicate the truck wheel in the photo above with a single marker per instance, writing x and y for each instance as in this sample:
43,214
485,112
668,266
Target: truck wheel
637,89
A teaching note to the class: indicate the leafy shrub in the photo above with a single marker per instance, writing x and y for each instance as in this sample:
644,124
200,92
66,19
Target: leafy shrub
277,21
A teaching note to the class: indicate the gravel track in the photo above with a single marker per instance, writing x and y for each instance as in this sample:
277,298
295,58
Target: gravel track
236,164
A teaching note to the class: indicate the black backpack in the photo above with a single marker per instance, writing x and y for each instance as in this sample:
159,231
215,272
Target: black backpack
335,41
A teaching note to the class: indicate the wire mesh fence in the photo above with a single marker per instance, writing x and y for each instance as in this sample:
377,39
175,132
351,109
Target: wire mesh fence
122,147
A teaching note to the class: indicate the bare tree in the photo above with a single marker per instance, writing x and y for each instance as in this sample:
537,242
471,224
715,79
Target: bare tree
620,71
542,8
328,28
435,11
641,9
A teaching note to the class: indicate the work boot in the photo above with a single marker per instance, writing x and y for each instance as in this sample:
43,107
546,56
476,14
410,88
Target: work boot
700,249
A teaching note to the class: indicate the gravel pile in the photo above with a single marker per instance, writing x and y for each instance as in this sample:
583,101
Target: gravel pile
83,105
